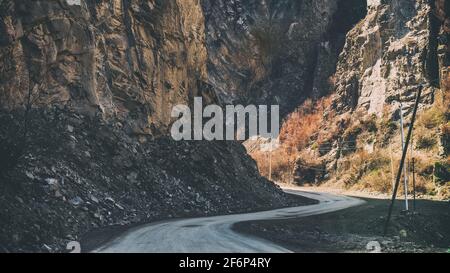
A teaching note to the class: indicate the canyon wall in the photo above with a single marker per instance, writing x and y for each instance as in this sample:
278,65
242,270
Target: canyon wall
278,52
86,93
132,60
87,87
391,52
399,47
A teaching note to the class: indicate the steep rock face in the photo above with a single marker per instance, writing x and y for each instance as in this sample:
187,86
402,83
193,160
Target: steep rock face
442,13
98,80
126,59
399,47
275,51
395,55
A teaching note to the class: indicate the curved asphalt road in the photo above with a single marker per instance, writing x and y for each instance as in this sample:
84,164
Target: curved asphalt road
214,234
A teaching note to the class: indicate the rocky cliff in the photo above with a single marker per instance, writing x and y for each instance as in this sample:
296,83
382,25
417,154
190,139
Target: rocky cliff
86,91
279,52
399,47
127,59
397,53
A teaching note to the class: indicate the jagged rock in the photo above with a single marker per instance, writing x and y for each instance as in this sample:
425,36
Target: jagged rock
76,201
114,69
29,175
277,52
94,199
102,57
51,181
387,57
388,53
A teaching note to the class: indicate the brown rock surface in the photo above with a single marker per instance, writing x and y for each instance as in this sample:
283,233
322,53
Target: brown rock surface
126,59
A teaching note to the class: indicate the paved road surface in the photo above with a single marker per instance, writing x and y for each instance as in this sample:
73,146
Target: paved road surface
214,234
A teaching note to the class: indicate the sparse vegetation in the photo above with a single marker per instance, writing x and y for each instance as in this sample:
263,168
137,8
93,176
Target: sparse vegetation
431,118
432,126
442,171
283,164
445,138
366,161
295,135
359,167
426,142
298,128
373,172
387,127
309,169
378,180
365,165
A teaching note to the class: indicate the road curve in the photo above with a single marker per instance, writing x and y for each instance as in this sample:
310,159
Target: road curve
215,234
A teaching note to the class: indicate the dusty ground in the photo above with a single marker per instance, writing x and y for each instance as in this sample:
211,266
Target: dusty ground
427,230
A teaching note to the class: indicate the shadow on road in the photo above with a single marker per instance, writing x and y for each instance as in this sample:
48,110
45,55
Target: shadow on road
426,230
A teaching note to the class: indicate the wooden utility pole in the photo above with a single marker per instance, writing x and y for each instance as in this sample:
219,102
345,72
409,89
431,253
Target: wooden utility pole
402,162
